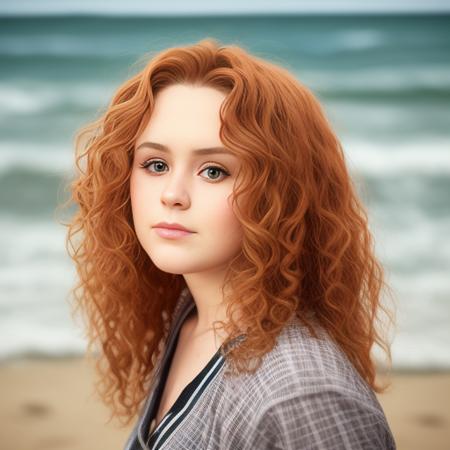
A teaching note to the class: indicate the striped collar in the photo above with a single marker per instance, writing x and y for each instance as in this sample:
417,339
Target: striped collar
190,394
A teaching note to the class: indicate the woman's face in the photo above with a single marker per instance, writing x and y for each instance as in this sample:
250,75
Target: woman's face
171,182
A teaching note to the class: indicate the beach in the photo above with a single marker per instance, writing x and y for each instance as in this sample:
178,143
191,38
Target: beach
50,404
384,84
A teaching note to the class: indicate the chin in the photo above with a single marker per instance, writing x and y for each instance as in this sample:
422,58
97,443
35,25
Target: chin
178,268
171,267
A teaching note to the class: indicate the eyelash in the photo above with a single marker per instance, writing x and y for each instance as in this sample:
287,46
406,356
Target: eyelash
147,163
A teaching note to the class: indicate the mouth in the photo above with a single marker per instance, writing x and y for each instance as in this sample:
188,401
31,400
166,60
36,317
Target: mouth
172,233
172,226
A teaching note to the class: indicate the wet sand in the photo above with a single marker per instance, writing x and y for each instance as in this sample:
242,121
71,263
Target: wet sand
50,404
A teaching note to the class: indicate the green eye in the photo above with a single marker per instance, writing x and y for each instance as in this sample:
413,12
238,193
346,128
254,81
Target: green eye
219,169
151,163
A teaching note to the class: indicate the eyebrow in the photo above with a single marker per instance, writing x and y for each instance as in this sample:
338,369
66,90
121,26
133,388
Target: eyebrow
199,151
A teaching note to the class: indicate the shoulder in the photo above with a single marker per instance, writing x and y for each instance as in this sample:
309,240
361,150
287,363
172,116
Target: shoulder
301,363
327,418
307,394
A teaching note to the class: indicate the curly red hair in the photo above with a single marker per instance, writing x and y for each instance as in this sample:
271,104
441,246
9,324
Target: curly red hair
306,252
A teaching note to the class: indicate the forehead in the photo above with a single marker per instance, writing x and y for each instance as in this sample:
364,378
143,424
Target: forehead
184,116
188,103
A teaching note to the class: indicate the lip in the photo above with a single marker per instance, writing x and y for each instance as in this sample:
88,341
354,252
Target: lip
172,226
171,233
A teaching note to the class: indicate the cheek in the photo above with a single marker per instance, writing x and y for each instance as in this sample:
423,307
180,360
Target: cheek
140,199
224,219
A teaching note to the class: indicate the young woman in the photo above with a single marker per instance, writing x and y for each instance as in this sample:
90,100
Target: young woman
226,266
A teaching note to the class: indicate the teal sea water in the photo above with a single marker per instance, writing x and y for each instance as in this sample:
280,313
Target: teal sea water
384,82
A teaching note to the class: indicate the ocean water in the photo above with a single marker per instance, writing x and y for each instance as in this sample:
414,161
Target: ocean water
384,82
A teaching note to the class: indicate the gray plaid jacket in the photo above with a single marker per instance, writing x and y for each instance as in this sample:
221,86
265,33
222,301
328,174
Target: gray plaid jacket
305,395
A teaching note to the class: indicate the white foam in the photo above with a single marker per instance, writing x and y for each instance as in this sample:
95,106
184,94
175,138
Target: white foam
49,158
377,79
418,156
26,336
39,97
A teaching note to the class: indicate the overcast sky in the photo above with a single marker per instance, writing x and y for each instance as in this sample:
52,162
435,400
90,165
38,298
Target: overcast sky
208,6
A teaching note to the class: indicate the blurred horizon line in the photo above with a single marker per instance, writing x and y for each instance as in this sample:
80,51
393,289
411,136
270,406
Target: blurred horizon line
224,14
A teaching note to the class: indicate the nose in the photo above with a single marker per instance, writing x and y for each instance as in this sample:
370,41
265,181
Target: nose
175,193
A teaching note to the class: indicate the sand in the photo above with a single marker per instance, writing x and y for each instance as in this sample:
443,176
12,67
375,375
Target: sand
49,404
